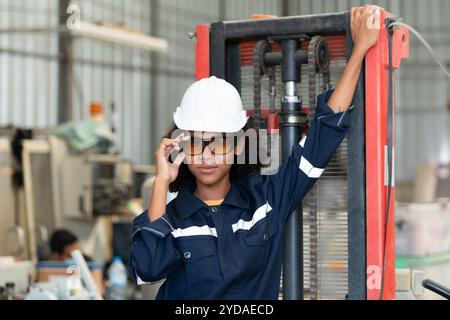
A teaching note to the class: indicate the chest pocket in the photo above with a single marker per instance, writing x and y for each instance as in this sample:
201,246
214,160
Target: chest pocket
199,256
255,244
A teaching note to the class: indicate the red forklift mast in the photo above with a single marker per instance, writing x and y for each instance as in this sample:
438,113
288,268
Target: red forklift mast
290,55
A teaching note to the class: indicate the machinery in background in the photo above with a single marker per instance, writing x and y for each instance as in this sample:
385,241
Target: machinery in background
13,225
12,241
86,185
96,196
63,190
94,185
19,274
81,192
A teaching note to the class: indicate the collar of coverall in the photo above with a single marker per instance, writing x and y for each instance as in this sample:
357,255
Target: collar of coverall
187,203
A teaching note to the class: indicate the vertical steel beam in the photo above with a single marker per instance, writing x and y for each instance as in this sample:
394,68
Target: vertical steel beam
356,186
65,49
291,132
154,79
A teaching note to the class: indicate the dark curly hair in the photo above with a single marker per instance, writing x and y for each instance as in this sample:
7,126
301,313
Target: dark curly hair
237,171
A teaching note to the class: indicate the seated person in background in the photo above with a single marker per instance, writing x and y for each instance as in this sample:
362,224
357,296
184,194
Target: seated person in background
62,243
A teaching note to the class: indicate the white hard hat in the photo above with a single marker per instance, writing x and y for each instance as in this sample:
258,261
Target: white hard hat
211,105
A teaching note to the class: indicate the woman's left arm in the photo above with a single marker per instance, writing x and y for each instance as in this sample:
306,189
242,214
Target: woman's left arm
312,155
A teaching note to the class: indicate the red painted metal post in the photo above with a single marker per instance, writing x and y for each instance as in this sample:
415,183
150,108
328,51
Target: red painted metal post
377,76
202,69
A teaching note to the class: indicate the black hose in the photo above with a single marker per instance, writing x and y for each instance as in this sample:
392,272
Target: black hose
436,288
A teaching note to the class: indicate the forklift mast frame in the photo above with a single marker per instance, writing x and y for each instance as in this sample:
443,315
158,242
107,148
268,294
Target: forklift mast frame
218,53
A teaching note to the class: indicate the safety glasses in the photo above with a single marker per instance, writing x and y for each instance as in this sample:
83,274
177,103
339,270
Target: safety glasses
217,145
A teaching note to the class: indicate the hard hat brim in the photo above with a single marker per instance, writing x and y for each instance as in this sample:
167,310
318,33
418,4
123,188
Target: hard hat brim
210,127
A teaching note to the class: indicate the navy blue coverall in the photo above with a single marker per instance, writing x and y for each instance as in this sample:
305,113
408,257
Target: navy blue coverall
234,251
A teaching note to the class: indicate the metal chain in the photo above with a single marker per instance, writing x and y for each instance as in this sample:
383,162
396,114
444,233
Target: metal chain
261,48
313,201
259,70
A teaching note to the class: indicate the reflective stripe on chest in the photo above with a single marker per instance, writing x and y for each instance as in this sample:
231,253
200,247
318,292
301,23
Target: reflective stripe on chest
242,224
